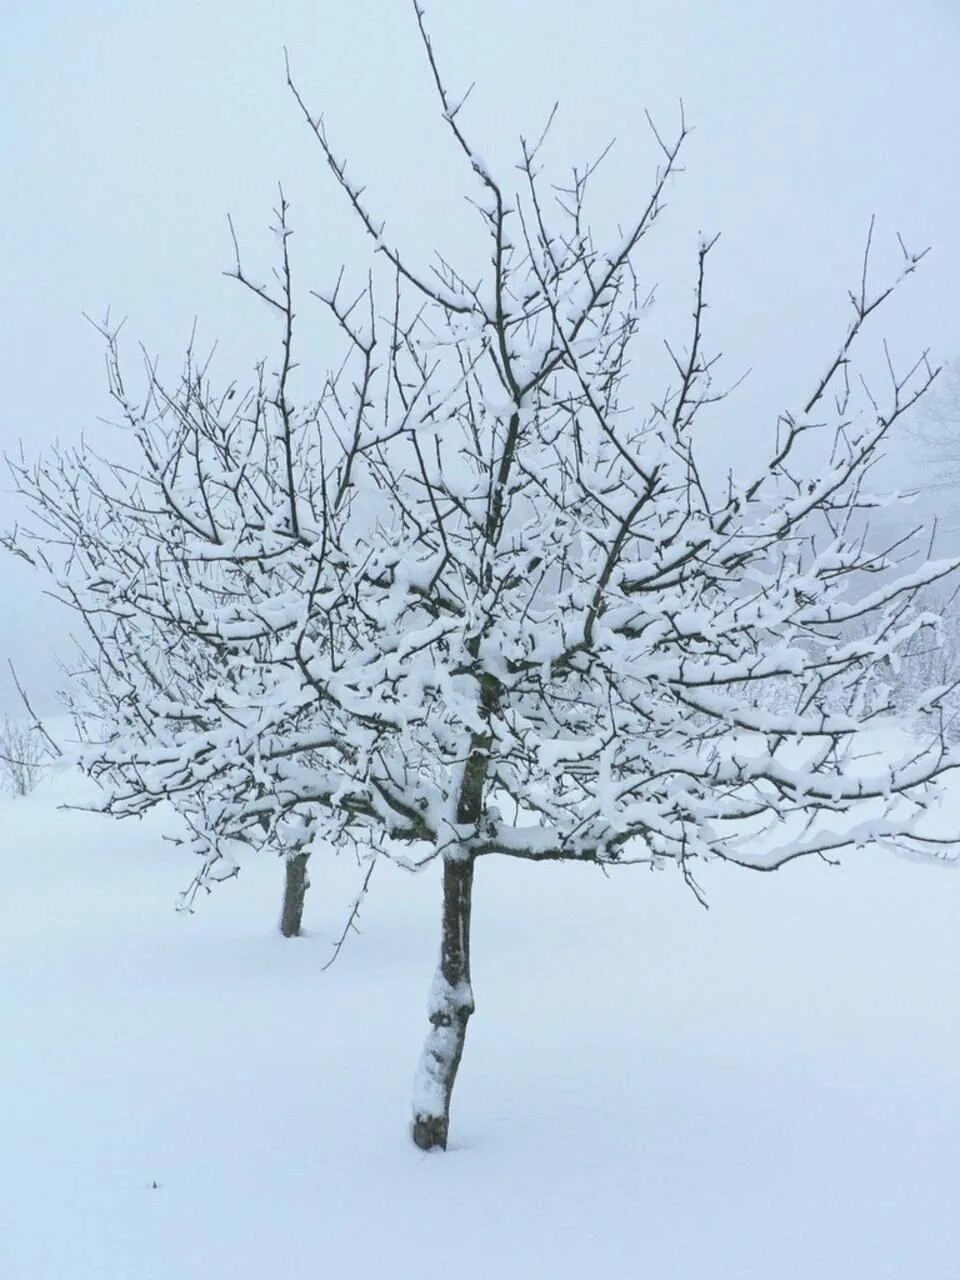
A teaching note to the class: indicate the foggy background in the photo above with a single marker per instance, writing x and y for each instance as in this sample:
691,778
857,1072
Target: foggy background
130,128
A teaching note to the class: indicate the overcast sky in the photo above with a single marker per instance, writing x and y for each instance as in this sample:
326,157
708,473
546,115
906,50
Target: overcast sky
129,128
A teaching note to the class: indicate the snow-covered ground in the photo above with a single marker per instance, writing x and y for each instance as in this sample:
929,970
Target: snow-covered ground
766,1090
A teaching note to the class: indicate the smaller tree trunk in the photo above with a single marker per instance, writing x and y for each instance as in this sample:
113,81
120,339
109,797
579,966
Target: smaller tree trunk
294,892
451,1004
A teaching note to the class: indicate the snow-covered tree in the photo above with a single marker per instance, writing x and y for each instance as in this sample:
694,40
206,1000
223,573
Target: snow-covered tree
117,537
471,597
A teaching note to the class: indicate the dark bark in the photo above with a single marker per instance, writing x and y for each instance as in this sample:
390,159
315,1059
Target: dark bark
294,892
451,1004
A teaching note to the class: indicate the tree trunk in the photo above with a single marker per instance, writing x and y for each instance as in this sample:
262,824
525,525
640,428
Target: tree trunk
294,893
451,1004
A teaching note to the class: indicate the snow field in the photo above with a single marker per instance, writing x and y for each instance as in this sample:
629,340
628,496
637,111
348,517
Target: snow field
765,1090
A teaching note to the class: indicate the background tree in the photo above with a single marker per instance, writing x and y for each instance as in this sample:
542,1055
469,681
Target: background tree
472,597
23,754
142,652
937,429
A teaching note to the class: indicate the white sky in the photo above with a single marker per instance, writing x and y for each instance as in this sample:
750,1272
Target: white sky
128,130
